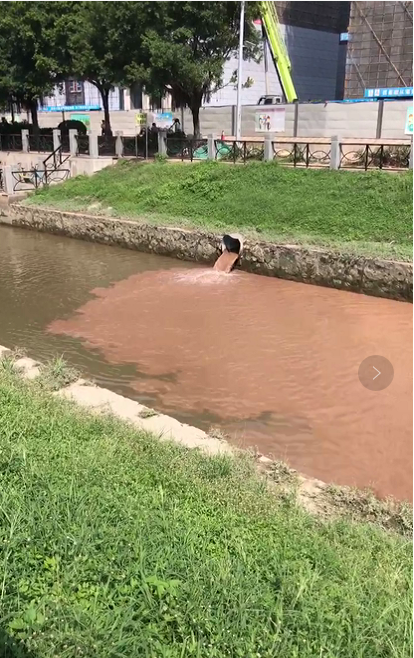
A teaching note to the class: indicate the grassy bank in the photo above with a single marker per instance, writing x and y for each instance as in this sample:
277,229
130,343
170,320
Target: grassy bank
116,545
358,212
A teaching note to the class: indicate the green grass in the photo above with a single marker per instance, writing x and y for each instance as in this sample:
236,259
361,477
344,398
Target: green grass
362,212
115,545
56,374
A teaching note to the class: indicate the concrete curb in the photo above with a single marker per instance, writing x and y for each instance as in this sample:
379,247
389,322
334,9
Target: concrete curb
371,276
103,401
310,494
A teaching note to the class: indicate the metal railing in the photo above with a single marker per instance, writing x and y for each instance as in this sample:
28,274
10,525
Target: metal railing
393,157
140,146
55,176
65,143
185,148
82,144
106,145
133,147
33,179
27,179
11,143
298,152
238,151
302,153
41,143
56,159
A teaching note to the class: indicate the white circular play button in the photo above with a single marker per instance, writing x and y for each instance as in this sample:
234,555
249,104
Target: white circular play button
376,373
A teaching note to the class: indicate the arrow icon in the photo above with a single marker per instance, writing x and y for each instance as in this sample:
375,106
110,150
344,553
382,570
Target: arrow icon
370,379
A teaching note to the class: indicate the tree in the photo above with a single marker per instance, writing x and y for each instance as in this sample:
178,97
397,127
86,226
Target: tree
104,38
29,51
187,49
4,97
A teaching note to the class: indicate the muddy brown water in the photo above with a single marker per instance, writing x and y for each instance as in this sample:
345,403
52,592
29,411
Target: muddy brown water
272,363
225,262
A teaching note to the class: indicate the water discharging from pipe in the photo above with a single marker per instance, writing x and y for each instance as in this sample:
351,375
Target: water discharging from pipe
226,262
231,246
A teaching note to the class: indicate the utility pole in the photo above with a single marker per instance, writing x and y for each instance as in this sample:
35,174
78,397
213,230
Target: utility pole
239,73
265,59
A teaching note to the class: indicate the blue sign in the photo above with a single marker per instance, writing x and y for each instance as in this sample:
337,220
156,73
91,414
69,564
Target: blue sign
163,119
389,92
355,100
69,108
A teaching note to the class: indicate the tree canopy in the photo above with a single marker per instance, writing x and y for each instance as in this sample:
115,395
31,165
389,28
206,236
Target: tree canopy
30,61
188,48
104,39
179,47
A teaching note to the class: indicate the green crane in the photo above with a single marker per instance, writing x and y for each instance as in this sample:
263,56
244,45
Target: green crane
279,52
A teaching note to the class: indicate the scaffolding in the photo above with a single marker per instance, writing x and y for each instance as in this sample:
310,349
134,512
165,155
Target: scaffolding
380,47
324,16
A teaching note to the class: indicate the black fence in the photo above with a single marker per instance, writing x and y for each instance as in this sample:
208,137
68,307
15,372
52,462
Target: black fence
293,152
185,148
133,147
302,154
55,159
41,143
64,142
30,179
140,146
238,151
82,144
367,156
106,145
33,179
11,143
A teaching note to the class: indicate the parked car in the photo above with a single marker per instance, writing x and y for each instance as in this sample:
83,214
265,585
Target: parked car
270,100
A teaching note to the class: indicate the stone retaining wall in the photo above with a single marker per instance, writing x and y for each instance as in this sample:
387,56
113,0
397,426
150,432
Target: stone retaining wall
381,278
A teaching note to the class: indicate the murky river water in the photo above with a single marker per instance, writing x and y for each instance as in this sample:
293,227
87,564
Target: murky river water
273,363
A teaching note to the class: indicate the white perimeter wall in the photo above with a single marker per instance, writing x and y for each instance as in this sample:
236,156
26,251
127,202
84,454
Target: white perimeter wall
314,120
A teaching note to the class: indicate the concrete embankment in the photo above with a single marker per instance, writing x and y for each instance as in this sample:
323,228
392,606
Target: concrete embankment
315,496
103,401
372,276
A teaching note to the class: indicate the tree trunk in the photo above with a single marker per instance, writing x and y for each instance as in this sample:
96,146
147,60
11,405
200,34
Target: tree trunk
196,99
33,112
105,102
195,111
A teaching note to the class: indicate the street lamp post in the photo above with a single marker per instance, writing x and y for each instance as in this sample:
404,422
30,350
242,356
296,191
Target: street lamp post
239,72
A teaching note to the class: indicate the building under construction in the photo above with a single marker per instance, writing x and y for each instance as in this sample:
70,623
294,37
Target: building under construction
369,43
380,47
312,34
303,55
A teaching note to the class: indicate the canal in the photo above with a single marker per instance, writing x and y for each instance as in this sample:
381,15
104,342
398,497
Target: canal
273,364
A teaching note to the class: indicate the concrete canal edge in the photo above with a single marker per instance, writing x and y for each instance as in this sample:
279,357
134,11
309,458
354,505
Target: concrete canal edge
98,400
315,496
102,400
371,276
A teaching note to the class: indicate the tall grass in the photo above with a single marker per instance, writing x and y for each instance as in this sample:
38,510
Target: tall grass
116,545
365,211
